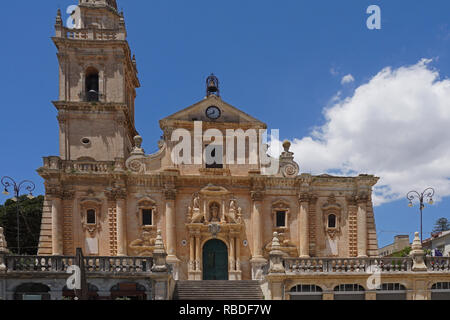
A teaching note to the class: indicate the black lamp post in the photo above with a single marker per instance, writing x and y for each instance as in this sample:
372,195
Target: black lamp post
426,195
28,185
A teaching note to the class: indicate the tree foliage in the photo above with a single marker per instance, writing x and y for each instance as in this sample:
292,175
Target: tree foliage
441,225
30,215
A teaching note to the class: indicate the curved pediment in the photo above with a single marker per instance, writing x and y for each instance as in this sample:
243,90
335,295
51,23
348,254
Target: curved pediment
214,190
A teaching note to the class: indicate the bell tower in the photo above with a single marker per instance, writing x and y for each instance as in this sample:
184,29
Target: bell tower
97,83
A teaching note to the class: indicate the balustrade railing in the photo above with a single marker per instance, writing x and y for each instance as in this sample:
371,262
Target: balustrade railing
57,264
344,265
438,263
93,34
81,166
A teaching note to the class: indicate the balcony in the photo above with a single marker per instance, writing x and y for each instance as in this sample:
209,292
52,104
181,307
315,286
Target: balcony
60,264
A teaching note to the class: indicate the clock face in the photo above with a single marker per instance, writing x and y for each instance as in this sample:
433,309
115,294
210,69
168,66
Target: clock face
213,112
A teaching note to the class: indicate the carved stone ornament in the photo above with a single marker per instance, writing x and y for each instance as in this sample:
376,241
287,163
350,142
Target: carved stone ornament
288,167
91,204
214,204
331,207
214,229
116,193
145,245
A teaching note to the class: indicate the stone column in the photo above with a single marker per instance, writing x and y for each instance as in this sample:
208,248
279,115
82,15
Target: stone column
57,227
238,254
170,223
362,228
198,268
303,225
121,227
257,197
191,254
232,255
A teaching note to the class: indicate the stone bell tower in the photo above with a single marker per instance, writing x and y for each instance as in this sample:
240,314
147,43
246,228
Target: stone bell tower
97,84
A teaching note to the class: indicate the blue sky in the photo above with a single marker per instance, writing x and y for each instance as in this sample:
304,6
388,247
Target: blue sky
280,61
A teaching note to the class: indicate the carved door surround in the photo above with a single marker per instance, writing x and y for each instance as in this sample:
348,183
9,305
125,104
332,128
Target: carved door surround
214,214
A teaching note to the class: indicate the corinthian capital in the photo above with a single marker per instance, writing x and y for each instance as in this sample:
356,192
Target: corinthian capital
304,197
257,195
170,194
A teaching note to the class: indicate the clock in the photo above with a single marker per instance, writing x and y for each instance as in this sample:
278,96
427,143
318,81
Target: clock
213,113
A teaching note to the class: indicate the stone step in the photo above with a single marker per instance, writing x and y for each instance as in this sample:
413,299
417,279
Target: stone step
218,290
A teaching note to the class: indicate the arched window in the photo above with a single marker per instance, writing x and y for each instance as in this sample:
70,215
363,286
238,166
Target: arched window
92,84
440,291
306,292
349,292
391,291
32,291
70,294
128,291
331,221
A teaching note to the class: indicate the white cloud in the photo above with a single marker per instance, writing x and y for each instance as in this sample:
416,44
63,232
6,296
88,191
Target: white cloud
396,126
347,79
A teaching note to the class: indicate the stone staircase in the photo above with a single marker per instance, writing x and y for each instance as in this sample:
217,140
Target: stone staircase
218,290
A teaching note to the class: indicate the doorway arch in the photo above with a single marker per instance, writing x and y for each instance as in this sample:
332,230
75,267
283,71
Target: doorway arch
215,260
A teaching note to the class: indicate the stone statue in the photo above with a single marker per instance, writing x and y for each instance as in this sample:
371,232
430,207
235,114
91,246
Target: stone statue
3,245
214,212
196,215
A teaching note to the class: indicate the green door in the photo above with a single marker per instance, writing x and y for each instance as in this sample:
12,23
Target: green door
215,260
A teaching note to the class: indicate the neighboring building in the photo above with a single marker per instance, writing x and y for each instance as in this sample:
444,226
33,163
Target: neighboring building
400,242
439,242
294,235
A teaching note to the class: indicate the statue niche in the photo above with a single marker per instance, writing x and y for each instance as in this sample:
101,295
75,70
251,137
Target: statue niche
214,205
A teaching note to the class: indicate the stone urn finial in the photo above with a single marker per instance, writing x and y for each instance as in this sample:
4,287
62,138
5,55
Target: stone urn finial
159,244
416,245
286,145
275,242
138,146
417,254
138,141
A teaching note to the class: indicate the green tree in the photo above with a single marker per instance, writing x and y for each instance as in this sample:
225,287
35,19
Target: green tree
441,225
30,215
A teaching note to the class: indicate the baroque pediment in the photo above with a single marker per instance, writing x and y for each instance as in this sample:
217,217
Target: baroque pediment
197,112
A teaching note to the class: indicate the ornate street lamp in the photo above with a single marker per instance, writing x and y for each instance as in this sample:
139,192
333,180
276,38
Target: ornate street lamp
28,185
425,196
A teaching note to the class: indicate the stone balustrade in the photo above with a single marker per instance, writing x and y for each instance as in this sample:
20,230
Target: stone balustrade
79,166
438,264
60,264
361,265
93,34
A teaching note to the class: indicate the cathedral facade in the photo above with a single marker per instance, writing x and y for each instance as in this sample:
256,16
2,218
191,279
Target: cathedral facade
105,195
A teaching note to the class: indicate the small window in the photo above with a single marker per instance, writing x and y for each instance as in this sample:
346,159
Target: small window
306,288
331,221
91,217
147,217
281,218
348,288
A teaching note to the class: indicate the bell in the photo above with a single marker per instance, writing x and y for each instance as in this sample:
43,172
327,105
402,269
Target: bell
212,86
